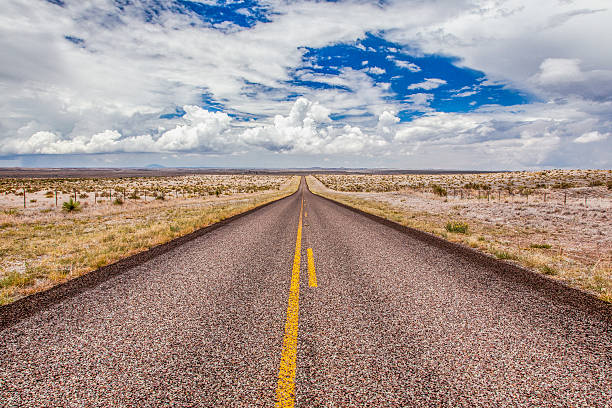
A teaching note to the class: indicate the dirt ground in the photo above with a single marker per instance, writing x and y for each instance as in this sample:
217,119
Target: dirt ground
560,233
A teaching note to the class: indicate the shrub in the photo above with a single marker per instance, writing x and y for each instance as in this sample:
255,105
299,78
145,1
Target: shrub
563,185
609,184
71,205
438,190
118,201
547,270
540,246
83,195
458,227
504,255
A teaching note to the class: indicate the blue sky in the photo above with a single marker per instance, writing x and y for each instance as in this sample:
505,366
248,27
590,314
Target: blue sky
466,84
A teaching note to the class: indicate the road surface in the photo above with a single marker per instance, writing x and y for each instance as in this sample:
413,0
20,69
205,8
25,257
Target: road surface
306,303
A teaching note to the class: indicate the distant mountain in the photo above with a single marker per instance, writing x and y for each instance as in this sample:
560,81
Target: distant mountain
155,166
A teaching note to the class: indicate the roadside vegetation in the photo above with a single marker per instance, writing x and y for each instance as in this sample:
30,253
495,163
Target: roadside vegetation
44,245
558,223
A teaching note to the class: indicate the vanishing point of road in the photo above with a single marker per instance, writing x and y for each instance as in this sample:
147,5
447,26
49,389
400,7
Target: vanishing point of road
306,303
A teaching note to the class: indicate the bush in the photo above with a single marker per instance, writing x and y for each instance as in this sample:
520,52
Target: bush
71,205
83,195
563,185
458,227
438,190
118,201
540,246
504,255
547,270
609,184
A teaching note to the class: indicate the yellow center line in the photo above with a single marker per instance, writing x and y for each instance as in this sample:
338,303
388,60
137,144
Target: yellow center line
312,275
285,389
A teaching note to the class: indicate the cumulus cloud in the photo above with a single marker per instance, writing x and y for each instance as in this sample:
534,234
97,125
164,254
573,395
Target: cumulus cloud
591,137
304,131
376,70
420,101
104,89
412,67
428,84
203,131
563,76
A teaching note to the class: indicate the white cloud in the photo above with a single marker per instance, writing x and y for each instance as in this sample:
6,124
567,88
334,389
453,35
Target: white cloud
57,97
464,94
420,100
558,70
404,64
376,70
202,131
428,84
302,131
591,137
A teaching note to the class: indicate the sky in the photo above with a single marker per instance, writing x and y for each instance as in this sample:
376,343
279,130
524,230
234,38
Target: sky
406,84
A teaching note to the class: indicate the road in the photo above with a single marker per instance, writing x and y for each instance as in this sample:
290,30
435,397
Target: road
306,303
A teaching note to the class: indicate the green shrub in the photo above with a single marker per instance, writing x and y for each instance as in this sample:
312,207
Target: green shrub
504,255
547,270
71,205
540,246
458,227
118,201
438,190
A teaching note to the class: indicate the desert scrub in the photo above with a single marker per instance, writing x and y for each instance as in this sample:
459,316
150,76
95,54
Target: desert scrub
38,250
547,236
438,190
458,227
71,206
540,246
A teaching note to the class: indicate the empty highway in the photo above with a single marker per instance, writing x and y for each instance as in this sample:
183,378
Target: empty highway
306,303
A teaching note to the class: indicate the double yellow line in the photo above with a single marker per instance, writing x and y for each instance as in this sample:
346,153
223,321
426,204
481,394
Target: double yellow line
285,389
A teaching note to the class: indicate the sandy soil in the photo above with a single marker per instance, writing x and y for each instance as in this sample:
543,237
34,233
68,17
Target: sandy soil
579,233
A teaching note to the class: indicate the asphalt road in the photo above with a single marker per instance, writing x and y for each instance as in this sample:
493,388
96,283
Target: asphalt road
392,322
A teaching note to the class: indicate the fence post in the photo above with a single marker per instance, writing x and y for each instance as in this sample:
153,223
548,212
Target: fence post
56,198
24,198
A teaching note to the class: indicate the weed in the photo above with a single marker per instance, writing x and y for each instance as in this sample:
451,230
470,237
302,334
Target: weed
15,279
118,201
71,205
458,227
540,246
438,190
547,270
505,255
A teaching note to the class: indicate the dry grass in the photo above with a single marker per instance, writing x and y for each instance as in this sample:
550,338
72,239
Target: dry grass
570,242
41,247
